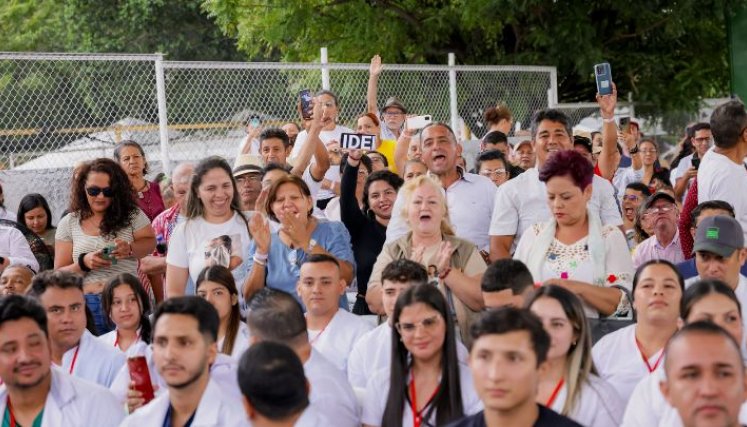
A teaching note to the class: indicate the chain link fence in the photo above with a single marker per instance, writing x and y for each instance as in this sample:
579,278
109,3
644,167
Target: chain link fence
57,110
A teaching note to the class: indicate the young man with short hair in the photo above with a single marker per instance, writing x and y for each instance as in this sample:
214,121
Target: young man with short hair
506,282
705,376
494,166
35,392
509,347
185,331
332,330
76,350
276,316
275,389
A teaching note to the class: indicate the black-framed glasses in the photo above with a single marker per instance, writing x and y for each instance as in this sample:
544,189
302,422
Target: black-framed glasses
94,191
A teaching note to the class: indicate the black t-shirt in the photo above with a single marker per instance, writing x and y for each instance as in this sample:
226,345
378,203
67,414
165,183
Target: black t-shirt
547,418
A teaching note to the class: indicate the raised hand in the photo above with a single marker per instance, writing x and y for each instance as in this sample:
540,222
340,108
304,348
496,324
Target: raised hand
607,103
260,231
376,66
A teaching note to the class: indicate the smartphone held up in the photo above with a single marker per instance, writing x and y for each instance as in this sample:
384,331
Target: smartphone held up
603,75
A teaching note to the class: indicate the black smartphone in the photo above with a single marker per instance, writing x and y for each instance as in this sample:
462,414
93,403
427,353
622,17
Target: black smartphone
695,162
625,124
306,108
603,74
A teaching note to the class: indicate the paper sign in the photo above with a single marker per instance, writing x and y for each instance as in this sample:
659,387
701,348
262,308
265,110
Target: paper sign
357,141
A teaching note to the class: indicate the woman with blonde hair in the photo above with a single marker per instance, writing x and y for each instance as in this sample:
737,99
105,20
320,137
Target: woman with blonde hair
570,385
431,241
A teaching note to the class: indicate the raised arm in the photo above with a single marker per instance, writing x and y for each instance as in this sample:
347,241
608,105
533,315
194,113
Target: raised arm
607,160
400,151
350,213
373,84
313,146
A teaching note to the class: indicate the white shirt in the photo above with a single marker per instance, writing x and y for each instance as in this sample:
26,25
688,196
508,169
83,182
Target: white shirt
111,339
72,402
336,340
625,176
522,201
331,395
377,393
373,352
721,179
598,404
679,172
470,201
311,417
240,344
93,360
217,408
196,242
619,361
9,215
15,248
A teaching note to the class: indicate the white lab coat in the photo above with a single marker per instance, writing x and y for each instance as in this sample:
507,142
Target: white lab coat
96,362
216,409
73,402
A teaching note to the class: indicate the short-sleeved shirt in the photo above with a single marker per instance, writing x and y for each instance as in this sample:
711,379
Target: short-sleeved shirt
196,243
69,230
721,179
284,264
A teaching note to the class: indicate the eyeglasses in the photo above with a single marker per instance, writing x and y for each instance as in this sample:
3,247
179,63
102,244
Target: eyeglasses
248,178
392,113
95,191
631,197
496,172
409,328
661,209
648,151
706,140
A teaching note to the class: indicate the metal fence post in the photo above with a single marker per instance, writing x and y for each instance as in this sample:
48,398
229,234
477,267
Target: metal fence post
163,121
552,93
325,69
454,111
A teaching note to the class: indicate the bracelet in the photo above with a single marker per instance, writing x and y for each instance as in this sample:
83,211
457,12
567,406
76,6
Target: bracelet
82,263
260,261
442,275
132,252
634,150
610,120
261,257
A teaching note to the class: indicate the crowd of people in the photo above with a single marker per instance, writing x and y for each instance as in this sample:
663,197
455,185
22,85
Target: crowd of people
560,279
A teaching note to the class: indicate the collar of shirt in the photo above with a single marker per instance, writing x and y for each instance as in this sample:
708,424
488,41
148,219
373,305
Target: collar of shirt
674,243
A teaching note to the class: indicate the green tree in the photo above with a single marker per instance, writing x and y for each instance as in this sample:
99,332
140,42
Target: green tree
667,54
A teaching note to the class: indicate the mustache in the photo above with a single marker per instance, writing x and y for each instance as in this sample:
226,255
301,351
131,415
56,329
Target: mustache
18,368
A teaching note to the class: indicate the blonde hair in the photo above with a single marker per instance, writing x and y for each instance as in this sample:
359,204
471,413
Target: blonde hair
425,180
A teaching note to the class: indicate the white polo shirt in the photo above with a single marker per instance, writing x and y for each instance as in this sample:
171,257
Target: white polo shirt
522,202
373,352
331,395
470,201
619,362
598,405
377,393
336,340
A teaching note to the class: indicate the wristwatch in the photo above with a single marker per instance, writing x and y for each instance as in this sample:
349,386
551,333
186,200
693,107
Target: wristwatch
634,150
310,248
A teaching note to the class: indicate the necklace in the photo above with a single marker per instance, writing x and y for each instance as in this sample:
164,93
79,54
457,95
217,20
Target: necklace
142,189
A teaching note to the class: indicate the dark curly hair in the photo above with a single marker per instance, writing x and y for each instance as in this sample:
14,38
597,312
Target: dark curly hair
123,205
383,175
568,163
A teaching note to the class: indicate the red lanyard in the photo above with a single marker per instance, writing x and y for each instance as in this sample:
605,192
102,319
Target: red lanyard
116,341
417,416
10,411
555,393
643,356
75,358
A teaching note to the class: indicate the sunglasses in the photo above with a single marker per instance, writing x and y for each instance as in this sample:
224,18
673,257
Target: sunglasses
95,191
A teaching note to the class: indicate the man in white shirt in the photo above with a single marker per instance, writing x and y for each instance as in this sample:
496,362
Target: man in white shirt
276,316
469,196
373,351
34,392
275,389
74,349
720,253
687,168
522,201
332,330
15,249
722,174
705,376
185,332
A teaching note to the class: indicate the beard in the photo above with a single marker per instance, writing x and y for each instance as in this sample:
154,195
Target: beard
33,384
194,376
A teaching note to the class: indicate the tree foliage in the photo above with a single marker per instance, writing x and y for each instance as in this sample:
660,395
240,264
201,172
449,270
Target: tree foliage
666,54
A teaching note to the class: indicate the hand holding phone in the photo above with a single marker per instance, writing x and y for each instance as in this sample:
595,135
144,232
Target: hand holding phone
418,122
307,108
603,74
625,124
140,377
